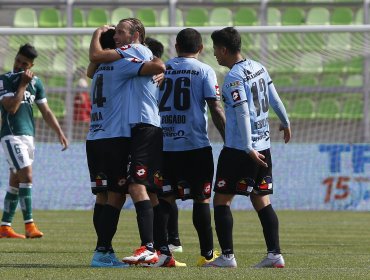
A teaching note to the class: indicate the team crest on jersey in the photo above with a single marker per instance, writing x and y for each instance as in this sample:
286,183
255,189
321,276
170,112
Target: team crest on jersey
141,172
221,183
235,95
207,188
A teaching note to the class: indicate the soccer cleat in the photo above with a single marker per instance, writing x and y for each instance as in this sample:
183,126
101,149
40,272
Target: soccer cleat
165,261
8,232
222,261
174,248
141,255
32,231
272,261
202,261
101,259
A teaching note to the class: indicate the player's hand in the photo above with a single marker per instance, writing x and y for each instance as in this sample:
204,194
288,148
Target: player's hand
26,77
105,28
64,142
287,133
258,158
159,78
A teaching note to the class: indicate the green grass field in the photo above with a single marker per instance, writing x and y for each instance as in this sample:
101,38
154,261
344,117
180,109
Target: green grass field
316,245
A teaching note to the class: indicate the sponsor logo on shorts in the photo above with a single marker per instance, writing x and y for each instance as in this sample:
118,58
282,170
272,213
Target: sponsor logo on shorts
141,172
221,184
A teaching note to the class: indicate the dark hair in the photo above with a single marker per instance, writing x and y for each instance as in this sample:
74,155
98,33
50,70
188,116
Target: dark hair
28,51
227,37
106,39
136,25
189,40
155,46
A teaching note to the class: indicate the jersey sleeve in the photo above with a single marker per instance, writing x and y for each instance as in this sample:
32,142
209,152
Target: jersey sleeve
276,103
129,67
6,88
234,90
40,91
210,86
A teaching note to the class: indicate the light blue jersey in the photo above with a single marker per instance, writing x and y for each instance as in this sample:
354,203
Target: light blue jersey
183,108
248,83
143,91
110,99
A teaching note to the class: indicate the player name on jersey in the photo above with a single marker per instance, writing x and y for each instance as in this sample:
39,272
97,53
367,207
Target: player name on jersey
169,119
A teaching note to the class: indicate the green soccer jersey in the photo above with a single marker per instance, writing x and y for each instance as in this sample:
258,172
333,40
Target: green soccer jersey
22,122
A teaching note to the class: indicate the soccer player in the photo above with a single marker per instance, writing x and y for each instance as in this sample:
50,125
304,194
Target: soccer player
189,86
109,139
174,242
19,90
146,134
244,165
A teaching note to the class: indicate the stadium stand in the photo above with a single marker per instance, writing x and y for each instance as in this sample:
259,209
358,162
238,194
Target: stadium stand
220,16
164,19
121,13
147,16
245,17
25,17
50,17
78,18
97,17
196,17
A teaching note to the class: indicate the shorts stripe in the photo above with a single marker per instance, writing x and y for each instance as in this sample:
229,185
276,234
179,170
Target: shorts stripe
12,155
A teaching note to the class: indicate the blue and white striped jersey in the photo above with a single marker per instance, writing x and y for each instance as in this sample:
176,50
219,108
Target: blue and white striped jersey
182,104
249,82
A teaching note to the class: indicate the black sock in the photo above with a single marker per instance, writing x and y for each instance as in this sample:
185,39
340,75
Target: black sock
173,226
202,223
108,226
224,228
160,230
98,208
144,217
270,226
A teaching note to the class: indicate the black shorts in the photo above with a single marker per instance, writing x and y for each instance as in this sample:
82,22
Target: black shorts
107,160
238,173
146,154
188,174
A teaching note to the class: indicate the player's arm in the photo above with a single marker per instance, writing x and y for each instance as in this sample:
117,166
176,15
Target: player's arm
91,68
244,125
279,108
218,115
12,102
152,67
52,121
96,52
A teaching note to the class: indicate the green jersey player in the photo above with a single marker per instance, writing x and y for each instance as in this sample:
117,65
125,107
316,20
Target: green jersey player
19,90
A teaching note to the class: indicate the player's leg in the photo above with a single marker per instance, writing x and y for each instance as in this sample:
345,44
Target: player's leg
10,205
146,153
107,159
19,151
174,242
165,257
268,218
232,168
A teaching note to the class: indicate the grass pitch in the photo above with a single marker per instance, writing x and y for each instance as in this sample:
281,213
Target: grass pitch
316,245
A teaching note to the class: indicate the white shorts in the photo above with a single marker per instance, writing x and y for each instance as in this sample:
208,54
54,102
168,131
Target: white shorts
19,150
